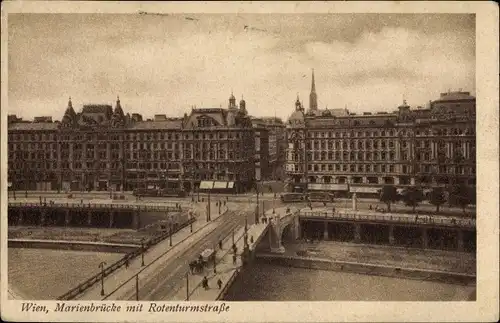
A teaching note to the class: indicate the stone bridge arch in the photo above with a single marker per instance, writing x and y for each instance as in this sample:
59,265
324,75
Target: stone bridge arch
285,227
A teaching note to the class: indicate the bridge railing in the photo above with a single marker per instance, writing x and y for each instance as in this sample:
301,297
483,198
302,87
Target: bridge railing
429,220
96,206
82,287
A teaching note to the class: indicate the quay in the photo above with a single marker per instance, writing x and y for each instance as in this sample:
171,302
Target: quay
73,245
101,214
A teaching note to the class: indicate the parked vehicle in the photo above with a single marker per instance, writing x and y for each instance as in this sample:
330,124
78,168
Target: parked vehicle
292,197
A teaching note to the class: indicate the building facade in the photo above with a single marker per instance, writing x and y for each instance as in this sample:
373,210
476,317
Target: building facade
101,148
335,150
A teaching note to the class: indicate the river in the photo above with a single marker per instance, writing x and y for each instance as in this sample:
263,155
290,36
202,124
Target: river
264,282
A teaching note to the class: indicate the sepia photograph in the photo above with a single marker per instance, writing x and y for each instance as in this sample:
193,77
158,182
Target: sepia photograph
230,158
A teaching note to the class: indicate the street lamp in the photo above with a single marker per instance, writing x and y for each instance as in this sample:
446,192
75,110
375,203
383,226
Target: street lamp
142,252
274,200
101,266
170,233
191,222
187,286
137,287
215,260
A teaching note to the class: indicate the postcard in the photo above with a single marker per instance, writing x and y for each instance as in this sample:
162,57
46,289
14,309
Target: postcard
249,161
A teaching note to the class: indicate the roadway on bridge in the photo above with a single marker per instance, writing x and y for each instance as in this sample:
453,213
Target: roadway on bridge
363,204
164,285
168,277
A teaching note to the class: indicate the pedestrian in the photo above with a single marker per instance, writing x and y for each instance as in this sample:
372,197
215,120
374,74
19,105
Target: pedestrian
220,244
324,204
26,194
126,262
40,200
370,207
234,258
219,283
205,282
251,239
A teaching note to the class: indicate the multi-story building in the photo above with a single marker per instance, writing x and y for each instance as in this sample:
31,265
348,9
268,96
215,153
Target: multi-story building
101,148
335,150
270,146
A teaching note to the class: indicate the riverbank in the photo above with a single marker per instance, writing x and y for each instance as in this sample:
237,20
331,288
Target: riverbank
386,256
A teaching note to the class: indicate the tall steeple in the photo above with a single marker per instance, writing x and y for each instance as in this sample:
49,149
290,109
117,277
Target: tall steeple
313,98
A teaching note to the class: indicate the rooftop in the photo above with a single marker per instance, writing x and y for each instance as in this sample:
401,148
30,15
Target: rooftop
455,96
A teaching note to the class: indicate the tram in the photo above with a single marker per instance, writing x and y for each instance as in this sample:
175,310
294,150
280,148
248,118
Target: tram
292,197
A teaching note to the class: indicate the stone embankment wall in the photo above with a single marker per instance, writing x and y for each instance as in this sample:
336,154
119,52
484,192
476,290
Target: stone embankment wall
367,269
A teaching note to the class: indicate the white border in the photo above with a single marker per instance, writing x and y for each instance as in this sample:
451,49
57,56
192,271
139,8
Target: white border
486,307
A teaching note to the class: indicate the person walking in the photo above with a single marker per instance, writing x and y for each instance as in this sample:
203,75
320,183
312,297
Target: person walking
234,259
220,244
205,282
219,283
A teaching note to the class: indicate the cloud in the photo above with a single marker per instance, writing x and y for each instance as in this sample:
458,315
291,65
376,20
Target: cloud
166,65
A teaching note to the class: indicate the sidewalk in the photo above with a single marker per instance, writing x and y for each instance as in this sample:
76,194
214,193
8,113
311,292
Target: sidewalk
225,268
153,258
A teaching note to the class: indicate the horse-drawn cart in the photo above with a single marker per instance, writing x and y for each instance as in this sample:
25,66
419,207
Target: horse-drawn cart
205,258
208,255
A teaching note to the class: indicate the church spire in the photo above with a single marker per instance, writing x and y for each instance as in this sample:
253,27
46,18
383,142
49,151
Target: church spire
313,85
313,98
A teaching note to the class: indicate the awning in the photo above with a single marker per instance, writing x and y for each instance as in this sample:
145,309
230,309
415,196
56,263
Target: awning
206,185
230,184
328,187
220,184
365,189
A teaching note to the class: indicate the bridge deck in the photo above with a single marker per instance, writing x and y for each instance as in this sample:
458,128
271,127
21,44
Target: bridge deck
364,216
97,204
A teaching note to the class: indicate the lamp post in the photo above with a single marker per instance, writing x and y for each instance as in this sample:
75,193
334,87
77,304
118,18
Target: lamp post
215,260
142,252
274,200
101,266
137,287
191,222
257,209
187,286
209,209
170,233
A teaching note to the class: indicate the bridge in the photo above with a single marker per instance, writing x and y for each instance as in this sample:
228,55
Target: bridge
98,213
430,231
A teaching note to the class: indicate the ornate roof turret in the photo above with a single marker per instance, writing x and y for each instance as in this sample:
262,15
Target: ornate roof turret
243,106
70,114
232,101
298,105
118,108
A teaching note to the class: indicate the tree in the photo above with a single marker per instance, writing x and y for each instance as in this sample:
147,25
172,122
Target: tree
388,195
459,196
412,196
437,197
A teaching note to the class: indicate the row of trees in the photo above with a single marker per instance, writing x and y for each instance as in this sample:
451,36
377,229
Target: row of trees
459,195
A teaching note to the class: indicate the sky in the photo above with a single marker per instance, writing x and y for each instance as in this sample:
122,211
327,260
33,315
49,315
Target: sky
165,64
